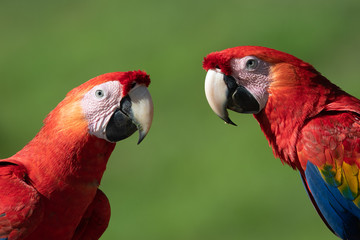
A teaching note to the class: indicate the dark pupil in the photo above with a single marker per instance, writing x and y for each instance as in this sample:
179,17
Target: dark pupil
250,63
99,93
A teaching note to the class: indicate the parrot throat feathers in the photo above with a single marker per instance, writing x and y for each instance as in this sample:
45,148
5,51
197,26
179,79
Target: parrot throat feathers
295,96
281,135
66,161
63,149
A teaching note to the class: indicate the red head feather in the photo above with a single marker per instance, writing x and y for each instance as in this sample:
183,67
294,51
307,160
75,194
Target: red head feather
222,58
125,78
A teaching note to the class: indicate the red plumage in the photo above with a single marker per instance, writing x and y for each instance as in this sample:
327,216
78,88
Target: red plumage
311,124
296,83
49,189
223,58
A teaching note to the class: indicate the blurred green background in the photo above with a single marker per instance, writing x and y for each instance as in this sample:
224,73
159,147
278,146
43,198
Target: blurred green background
193,177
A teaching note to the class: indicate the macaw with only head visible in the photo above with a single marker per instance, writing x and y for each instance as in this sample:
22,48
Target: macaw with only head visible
49,189
310,123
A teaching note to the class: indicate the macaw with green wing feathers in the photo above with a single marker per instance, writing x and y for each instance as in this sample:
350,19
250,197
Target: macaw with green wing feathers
50,188
310,123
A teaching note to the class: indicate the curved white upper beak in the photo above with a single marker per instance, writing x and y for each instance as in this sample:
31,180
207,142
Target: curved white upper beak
142,108
216,93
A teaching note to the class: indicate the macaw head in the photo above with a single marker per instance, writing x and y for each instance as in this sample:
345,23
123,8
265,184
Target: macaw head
244,79
111,106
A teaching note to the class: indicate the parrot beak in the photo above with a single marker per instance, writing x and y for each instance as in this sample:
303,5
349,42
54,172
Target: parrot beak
216,93
143,110
135,113
222,93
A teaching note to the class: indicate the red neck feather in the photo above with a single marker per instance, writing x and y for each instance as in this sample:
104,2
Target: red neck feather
63,154
296,95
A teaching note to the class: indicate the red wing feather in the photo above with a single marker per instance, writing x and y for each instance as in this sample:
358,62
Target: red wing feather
20,204
332,143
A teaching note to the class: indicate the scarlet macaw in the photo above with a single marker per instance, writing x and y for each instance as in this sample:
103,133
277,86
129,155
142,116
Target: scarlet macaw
49,189
310,123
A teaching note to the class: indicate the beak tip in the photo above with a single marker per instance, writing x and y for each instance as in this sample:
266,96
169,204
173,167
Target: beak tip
231,123
228,121
141,136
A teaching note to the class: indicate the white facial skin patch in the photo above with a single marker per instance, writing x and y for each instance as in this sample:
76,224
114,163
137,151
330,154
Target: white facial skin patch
99,104
254,77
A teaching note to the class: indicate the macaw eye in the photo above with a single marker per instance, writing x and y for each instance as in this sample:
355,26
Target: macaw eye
251,64
99,93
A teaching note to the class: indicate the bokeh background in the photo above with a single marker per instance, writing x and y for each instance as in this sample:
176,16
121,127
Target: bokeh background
193,177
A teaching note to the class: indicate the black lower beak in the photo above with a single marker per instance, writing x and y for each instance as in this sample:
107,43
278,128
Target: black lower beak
239,98
121,123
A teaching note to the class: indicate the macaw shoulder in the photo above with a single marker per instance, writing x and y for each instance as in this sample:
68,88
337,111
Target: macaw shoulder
331,141
21,207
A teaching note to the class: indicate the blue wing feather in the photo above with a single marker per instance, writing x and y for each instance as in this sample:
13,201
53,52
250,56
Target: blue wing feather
341,215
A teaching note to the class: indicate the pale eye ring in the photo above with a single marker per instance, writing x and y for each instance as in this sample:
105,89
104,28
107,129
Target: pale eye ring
251,64
99,93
